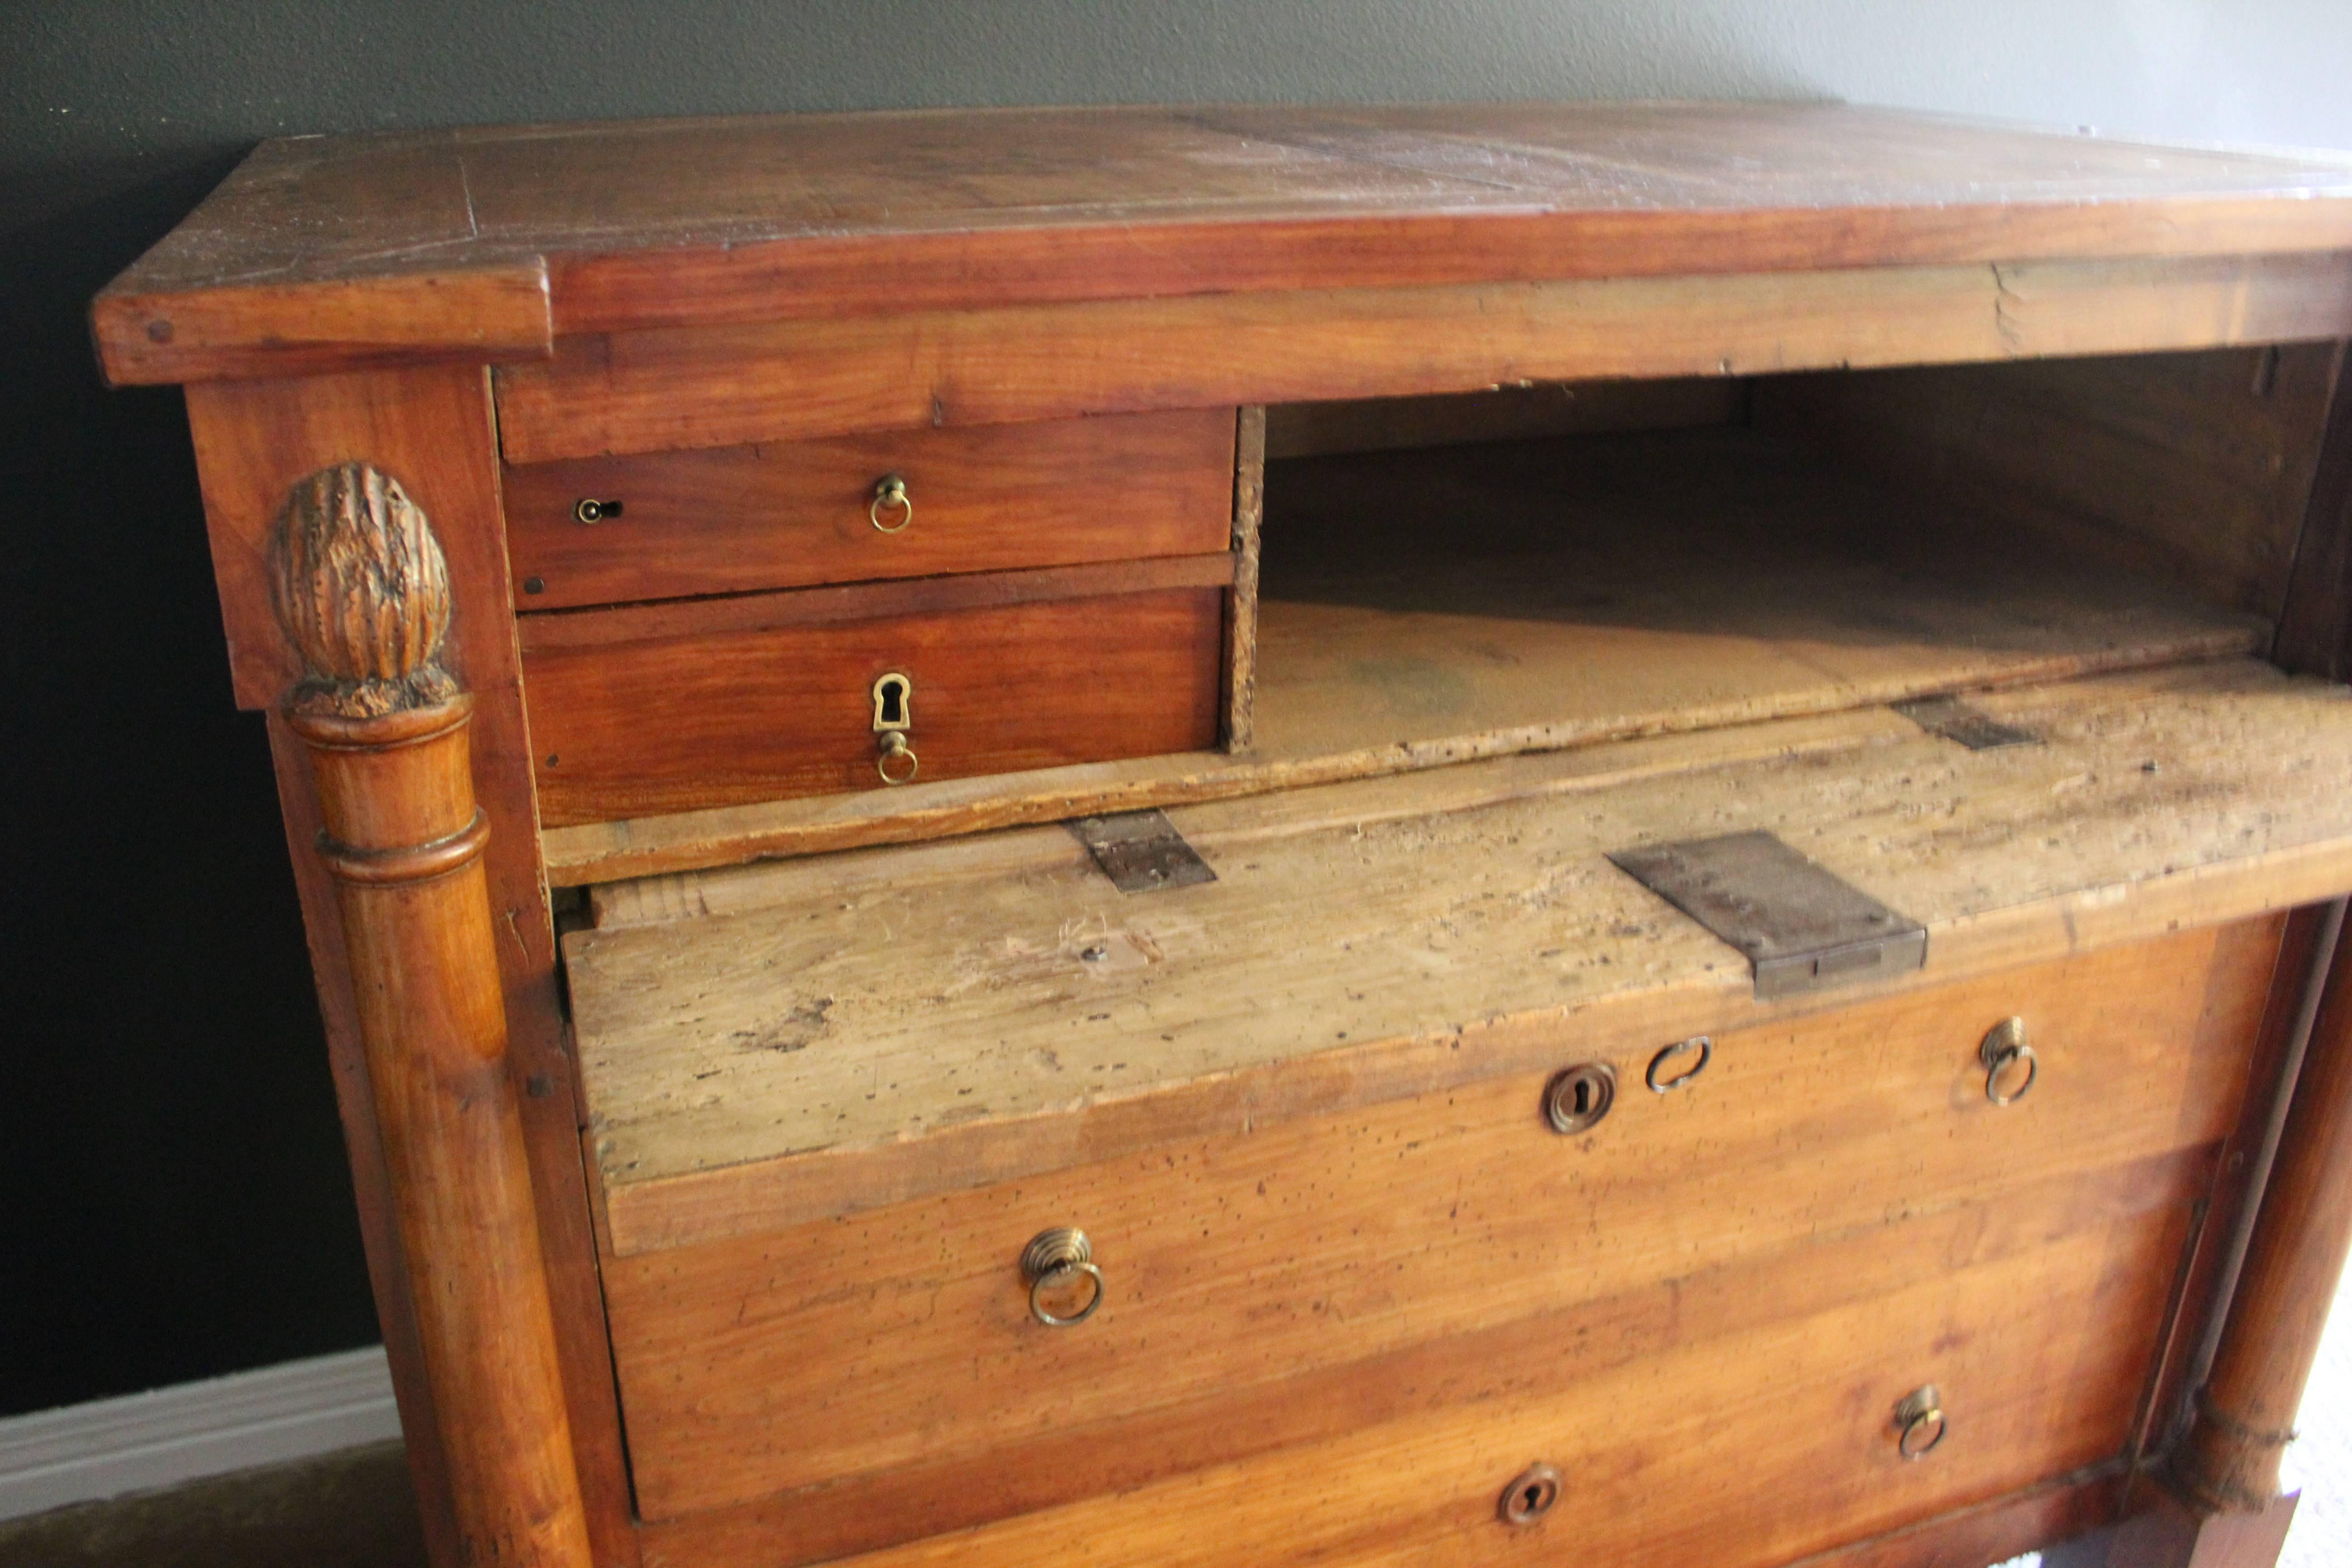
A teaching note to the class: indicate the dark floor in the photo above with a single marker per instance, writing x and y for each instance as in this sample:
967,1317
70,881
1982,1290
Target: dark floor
352,1509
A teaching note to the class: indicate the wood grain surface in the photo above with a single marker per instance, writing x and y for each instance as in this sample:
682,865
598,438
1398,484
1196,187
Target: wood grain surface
1444,934
656,389
681,721
1421,609
431,429
1257,1264
795,514
1755,1429
679,222
2192,468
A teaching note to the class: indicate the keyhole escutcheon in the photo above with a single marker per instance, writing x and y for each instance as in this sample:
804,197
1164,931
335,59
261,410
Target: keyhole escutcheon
894,704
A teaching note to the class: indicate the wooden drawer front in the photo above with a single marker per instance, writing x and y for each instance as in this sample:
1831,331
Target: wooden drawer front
790,514
1265,1267
1738,1418
674,724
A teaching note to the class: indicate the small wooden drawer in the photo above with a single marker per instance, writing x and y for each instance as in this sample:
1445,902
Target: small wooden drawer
767,697
1390,1263
789,514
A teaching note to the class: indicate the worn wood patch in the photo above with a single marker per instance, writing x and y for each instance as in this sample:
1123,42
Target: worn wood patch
887,1036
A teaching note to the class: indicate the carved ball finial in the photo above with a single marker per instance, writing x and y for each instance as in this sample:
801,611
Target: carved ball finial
362,590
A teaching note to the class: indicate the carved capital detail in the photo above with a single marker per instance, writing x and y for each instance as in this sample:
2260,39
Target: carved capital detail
362,592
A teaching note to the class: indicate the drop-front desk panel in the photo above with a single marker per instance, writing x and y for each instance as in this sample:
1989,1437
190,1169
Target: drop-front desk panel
1143,837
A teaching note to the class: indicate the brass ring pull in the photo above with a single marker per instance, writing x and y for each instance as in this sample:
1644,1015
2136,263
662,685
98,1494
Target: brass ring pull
890,495
896,750
1052,1258
1662,1079
1921,1424
2003,1050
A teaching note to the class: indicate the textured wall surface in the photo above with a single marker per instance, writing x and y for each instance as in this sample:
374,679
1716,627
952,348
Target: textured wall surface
177,1205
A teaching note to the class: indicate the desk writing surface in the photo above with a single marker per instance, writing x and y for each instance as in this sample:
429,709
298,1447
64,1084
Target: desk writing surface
492,241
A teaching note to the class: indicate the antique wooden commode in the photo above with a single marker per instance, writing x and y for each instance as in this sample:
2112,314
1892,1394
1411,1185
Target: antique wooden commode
1571,834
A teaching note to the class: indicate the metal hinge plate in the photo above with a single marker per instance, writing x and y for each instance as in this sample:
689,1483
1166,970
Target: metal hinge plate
1141,852
1802,928
1955,720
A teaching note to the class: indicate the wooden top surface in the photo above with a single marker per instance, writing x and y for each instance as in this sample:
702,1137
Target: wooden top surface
326,250
860,1029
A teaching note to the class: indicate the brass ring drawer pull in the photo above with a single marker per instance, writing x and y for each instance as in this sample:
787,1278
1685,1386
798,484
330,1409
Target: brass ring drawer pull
2003,1052
1054,1258
890,496
1921,1422
1665,1072
896,753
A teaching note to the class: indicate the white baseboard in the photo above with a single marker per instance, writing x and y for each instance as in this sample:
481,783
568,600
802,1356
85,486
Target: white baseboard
297,1410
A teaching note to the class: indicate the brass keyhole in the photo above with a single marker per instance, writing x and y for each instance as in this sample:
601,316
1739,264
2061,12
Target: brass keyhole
894,701
894,715
1530,1496
1577,1099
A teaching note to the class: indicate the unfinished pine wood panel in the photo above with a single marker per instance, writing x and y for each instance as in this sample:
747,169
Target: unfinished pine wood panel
796,513
1245,1263
1419,609
2193,468
1756,1431
658,389
1437,934
682,720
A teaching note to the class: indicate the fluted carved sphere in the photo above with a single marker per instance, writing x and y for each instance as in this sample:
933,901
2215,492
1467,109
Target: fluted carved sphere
362,589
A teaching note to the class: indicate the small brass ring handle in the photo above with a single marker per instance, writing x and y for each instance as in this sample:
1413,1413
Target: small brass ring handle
1921,1420
896,750
1666,1081
1052,1258
890,495
589,510
2004,1048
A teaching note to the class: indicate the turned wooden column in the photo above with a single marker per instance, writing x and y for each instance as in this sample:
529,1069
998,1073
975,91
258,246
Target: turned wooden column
360,587
2245,1413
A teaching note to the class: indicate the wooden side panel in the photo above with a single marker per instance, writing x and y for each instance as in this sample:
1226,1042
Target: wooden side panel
793,513
1239,731
2194,467
1251,1263
1758,1427
2316,631
658,389
683,723
431,429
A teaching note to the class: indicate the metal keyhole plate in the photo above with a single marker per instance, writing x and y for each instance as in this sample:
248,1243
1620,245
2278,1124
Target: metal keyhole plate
1578,1098
894,702
1530,1496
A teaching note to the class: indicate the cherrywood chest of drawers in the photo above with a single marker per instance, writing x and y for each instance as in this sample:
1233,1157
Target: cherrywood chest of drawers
1134,837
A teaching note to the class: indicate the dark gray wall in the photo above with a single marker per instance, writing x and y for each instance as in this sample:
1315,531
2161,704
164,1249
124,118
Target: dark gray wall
176,1202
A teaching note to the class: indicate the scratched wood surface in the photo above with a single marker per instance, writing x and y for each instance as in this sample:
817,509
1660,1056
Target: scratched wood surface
878,1037
1419,609
494,240
1359,1235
